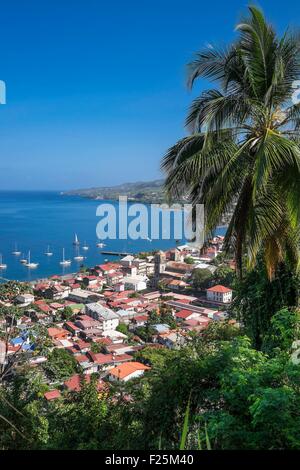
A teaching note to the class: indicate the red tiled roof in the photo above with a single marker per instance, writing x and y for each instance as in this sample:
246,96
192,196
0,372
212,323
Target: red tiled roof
123,370
100,358
183,314
109,266
45,308
122,358
82,358
141,318
104,341
54,332
82,344
72,326
52,395
219,288
73,384
56,305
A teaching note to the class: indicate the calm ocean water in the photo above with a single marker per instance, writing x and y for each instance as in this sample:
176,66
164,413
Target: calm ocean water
37,219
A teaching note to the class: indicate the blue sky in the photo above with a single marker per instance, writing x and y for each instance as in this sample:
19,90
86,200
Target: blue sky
96,90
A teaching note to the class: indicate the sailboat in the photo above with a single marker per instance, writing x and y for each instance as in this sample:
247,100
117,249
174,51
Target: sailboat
2,265
85,247
16,252
100,245
29,264
76,242
78,256
23,260
65,262
48,252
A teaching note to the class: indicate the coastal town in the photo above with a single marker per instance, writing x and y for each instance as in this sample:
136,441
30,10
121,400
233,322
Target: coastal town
102,318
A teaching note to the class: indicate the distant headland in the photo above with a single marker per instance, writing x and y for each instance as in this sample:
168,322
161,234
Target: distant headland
141,191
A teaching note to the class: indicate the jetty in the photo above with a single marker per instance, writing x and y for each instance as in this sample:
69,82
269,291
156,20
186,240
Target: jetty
115,253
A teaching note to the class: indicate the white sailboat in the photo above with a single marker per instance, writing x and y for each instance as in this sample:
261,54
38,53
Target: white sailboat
65,262
29,264
78,256
76,242
85,247
2,265
23,260
16,252
48,252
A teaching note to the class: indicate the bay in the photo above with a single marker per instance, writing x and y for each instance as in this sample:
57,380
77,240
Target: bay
36,219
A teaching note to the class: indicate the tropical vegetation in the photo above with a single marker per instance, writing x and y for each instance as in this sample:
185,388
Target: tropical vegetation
242,155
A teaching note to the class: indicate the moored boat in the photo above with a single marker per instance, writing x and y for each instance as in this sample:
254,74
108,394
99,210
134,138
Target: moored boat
2,265
48,252
23,260
65,262
76,241
16,252
29,264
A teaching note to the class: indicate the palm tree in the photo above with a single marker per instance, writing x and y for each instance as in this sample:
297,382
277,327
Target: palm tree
243,150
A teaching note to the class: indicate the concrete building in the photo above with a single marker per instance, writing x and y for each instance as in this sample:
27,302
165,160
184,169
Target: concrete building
84,296
127,371
24,299
136,283
108,319
219,294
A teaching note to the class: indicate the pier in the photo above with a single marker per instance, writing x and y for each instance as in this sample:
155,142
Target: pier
115,253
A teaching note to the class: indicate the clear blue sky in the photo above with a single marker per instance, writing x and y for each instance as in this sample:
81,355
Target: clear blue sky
96,89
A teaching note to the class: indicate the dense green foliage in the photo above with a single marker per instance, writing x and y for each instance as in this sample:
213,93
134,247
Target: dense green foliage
246,399
9,290
201,278
257,299
60,365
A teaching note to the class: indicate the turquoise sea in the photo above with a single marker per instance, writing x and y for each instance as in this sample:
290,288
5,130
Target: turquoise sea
36,219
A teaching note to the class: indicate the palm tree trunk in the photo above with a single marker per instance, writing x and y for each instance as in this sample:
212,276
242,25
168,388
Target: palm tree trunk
239,260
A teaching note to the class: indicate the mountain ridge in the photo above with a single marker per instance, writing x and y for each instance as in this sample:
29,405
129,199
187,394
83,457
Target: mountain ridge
146,191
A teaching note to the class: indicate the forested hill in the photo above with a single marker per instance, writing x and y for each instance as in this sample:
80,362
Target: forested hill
145,191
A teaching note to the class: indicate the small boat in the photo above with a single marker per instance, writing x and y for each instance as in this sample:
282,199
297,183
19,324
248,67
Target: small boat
48,252
76,242
100,245
29,264
85,247
78,256
65,262
16,252
2,265
23,260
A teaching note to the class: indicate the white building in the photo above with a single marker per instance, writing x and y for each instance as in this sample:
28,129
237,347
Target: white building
219,294
109,320
125,316
127,371
136,283
127,261
24,299
82,296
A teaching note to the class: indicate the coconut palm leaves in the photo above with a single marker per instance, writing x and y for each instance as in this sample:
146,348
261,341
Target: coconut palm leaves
243,151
